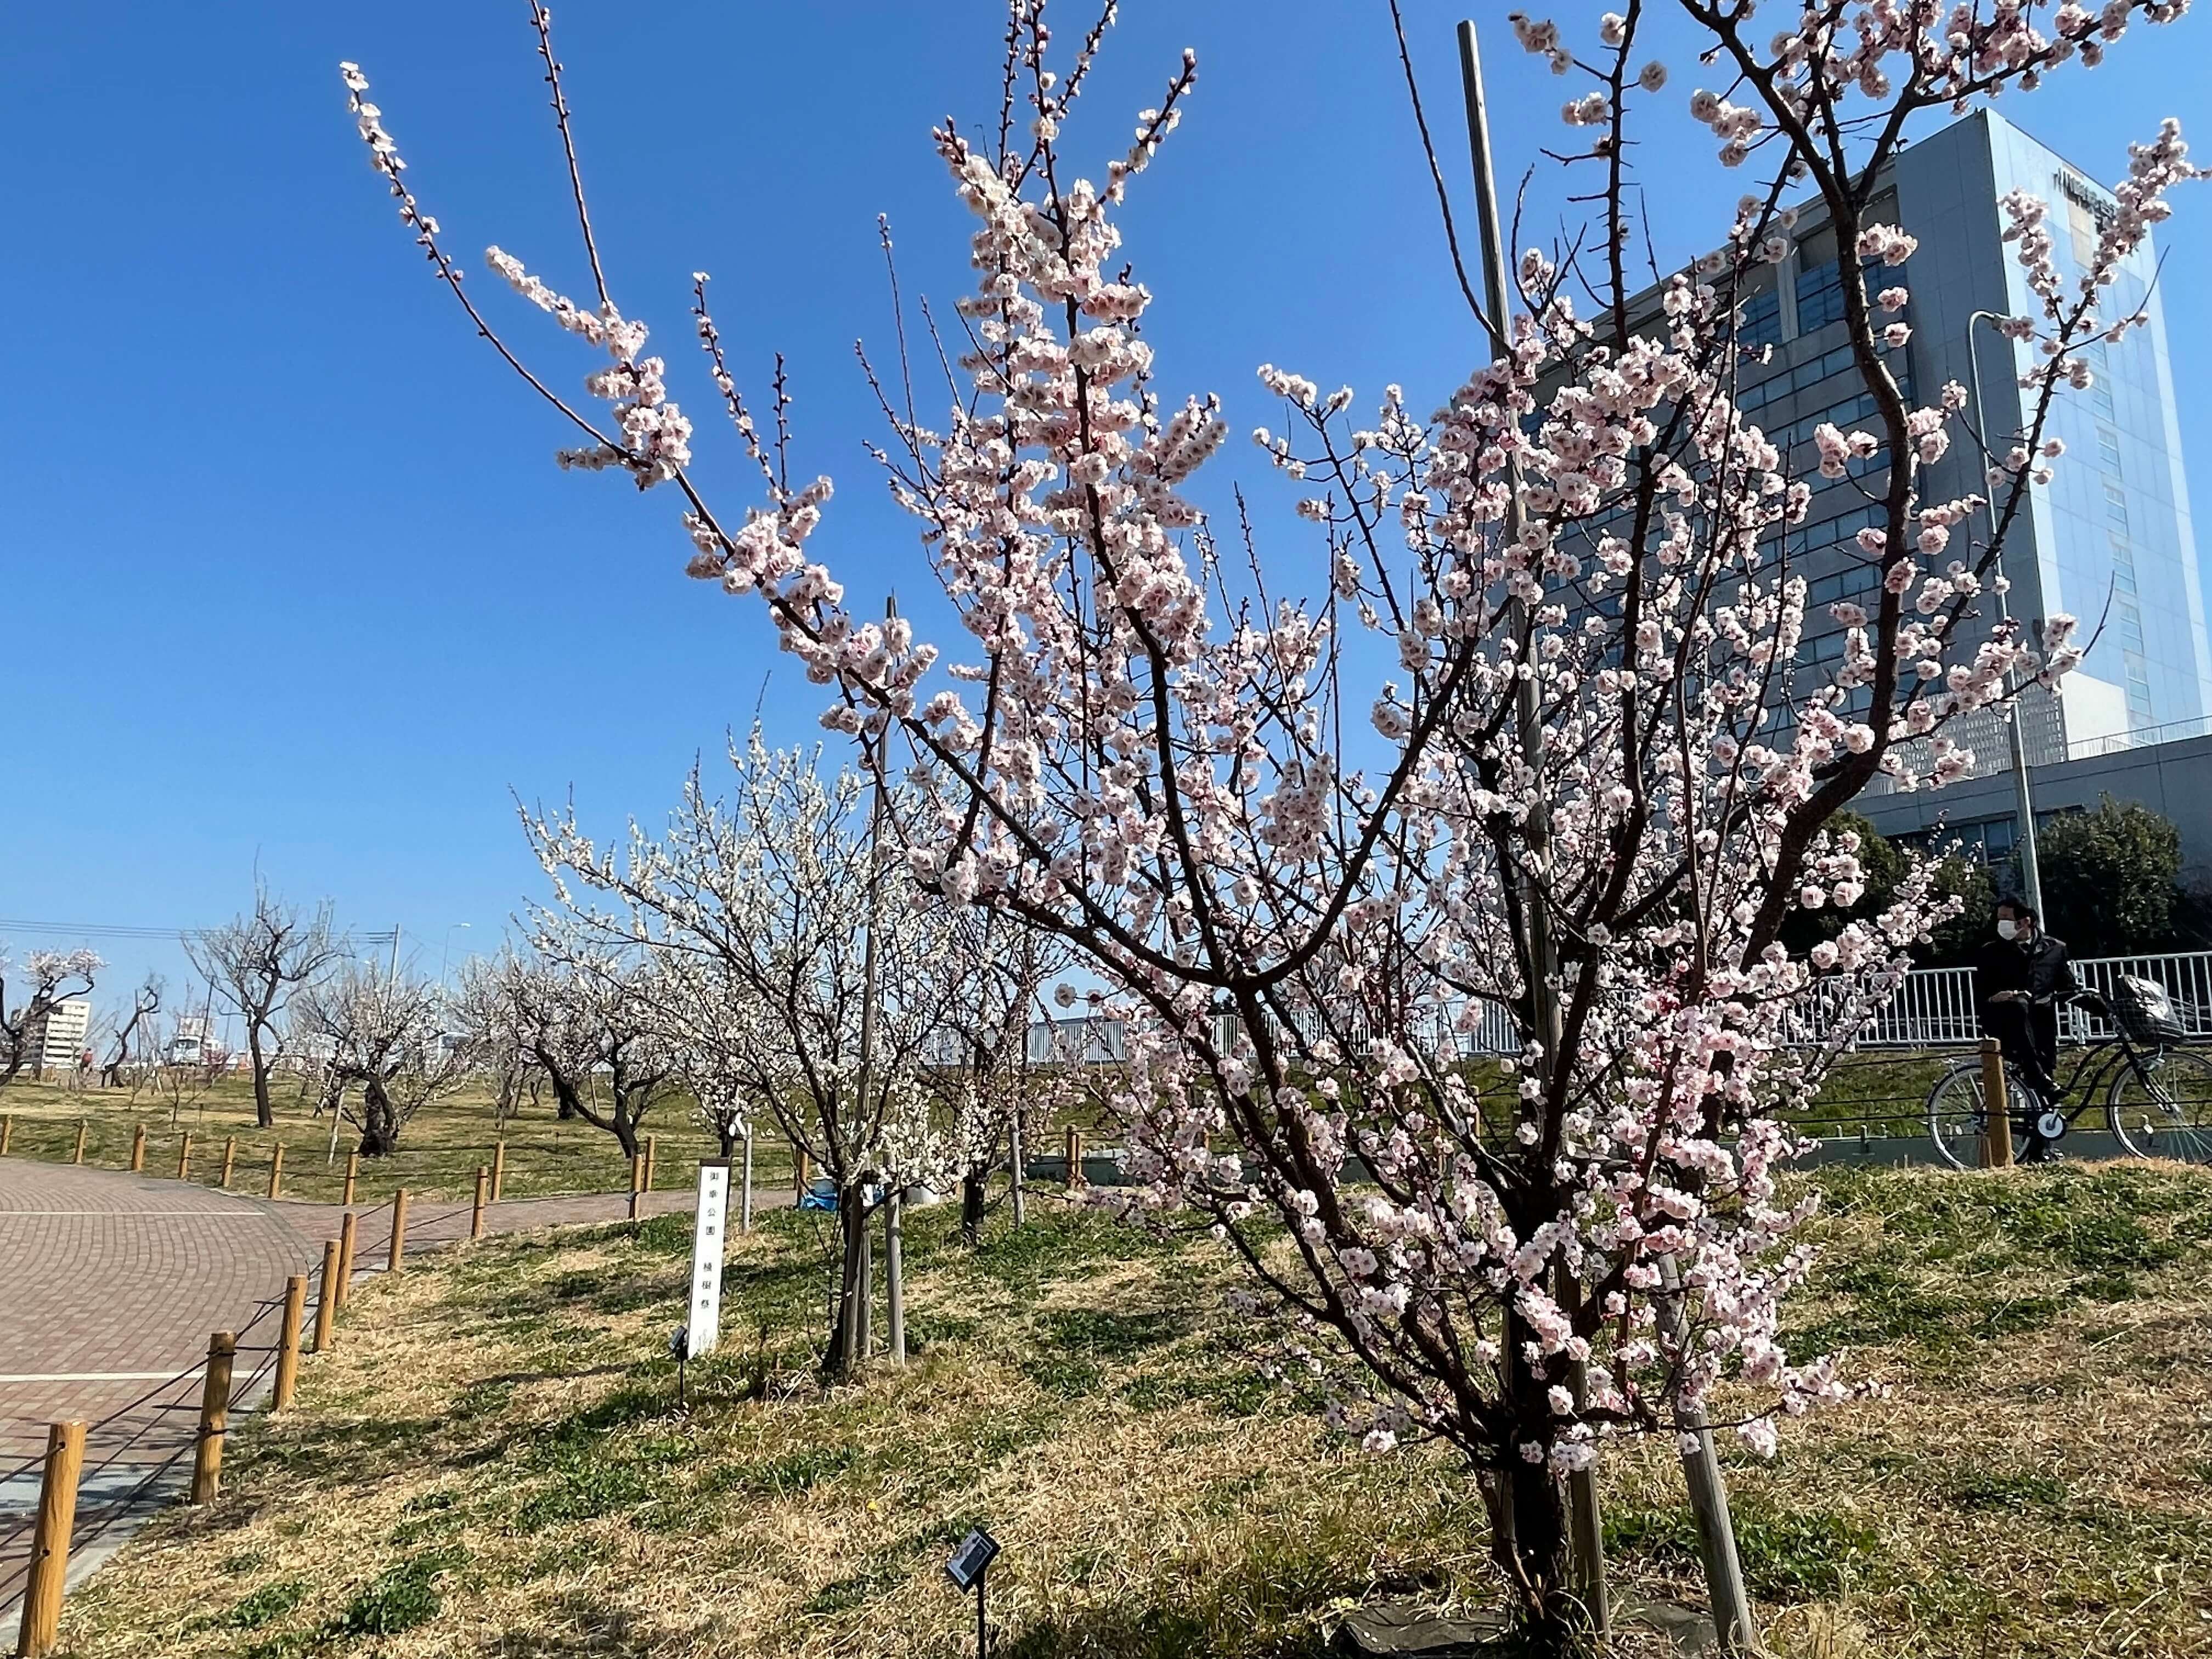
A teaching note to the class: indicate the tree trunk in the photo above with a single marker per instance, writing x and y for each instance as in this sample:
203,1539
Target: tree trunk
845,1345
971,1207
624,1130
380,1123
264,1110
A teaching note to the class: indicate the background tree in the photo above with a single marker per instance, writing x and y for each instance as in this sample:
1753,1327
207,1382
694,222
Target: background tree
46,980
2109,878
1546,737
1963,885
583,1017
255,964
134,1027
778,891
389,1055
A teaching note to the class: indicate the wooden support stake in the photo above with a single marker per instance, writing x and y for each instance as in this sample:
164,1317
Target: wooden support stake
1997,1109
276,1171
1074,1157
498,1168
215,1418
352,1173
287,1342
483,1193
399,1254
7,1131
326,1304
799,1174
77,1157
184,1157
137,1148
636,1181
347,1229
652,1149
229,1159
50,1541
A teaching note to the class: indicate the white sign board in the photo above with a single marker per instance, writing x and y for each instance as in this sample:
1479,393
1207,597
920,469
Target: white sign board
707,1240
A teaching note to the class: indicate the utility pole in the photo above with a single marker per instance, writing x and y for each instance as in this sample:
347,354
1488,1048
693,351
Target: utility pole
1585,1535
2031,875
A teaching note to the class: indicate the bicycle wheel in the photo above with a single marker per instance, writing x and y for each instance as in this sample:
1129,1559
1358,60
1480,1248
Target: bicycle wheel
1956,1121
2165,1110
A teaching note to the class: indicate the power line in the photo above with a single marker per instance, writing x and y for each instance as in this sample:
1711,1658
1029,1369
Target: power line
98,930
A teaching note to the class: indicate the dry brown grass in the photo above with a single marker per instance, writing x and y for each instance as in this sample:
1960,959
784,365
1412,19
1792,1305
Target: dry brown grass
494,1449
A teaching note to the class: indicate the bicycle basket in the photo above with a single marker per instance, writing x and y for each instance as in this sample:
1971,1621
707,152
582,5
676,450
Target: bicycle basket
2146,1011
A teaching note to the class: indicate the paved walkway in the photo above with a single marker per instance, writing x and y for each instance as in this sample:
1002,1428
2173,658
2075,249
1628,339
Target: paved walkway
110,1284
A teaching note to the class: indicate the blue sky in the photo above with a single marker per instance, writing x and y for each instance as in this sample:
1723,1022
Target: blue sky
288,577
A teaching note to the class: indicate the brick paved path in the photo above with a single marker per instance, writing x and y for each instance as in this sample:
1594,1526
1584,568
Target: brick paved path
109,1286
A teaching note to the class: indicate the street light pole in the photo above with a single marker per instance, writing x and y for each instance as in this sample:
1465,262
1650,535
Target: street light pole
1586,1534
443,948
2031,875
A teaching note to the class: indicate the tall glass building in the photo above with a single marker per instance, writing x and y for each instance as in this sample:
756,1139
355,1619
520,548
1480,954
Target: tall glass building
2110,540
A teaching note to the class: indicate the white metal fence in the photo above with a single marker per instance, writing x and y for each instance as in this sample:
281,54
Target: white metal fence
1933,1008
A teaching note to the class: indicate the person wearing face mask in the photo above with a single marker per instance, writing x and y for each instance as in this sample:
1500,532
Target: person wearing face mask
2021,979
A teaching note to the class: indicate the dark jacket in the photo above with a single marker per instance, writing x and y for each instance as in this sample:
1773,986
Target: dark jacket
2041,968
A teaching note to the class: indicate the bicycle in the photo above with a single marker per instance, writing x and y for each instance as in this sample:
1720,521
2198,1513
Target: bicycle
2157,1092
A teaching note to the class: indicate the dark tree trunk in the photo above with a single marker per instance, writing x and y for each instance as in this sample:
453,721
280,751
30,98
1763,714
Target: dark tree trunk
265,1109
726,1133
849,1333
971,1207
380,1123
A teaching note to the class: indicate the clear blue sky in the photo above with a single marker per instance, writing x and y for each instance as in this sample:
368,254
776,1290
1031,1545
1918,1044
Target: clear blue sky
287,575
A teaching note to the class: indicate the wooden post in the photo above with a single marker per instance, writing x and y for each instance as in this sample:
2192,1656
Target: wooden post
398,1252
352,1173
50,1541
276,1171
77,1157
636,1179
7,1131
652,1147
483,1192
1997,1109
137,1148
287,1342
798,1173
346,1231
1074,1157
498,1168
229,1159
215,1418
326,1304
184,1157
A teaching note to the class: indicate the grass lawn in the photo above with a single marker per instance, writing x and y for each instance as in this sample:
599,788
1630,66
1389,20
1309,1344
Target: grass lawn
491,1461
439,1149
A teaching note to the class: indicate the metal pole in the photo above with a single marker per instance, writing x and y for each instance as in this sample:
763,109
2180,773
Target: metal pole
894,1269
1584,1529
745,1203
1709,1503
2031,873
982,1622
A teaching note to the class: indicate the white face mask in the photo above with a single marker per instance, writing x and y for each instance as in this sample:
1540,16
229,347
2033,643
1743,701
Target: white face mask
2008,928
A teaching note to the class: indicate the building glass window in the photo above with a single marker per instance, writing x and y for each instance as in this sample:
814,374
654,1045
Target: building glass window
2108,449
1762,318
2116,505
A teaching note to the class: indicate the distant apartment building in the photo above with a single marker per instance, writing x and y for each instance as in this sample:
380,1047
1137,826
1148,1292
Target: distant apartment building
54,1043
